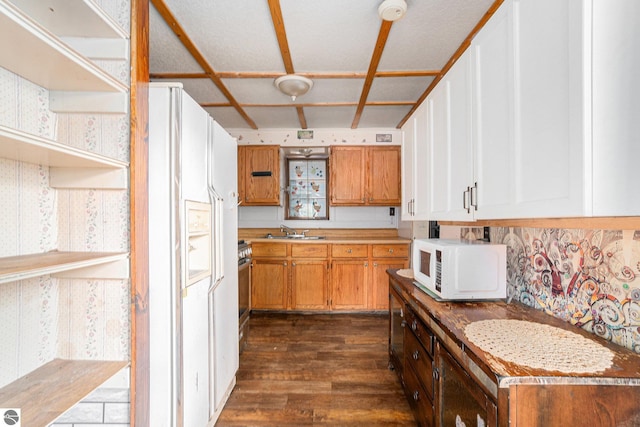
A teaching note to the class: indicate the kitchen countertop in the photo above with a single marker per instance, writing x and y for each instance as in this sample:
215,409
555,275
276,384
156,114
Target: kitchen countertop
334,240
449,319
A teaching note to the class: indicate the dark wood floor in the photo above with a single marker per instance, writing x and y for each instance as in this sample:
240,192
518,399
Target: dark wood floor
322,369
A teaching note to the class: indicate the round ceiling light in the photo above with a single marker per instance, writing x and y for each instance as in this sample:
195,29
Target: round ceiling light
293,85
392,10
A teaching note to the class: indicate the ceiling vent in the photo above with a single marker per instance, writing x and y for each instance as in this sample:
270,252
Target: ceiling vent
392,10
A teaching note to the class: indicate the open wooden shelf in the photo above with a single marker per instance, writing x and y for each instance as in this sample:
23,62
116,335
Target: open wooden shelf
27,266
31,51
25,147
52,389
79,18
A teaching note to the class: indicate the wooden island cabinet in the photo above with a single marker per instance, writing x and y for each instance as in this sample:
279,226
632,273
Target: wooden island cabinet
450,379
323,275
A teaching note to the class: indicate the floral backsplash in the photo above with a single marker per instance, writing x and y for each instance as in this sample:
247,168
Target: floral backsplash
589,278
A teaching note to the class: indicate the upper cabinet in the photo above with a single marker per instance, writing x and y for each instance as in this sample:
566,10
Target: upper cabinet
259,175
552,115
449,141
365,175
415,167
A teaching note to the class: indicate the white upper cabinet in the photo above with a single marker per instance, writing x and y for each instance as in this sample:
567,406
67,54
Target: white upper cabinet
554,115
415,167
450,144
615,120
528,112
408,168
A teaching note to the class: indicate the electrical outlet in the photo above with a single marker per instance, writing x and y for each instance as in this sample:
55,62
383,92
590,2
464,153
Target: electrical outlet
392,211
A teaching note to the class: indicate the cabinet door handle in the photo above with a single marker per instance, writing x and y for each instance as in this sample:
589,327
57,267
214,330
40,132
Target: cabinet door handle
414,325
436,374
284,263
390,251
416,396
349,250
293,264
375,264
465,200
403,323
474,196
366,264
415,355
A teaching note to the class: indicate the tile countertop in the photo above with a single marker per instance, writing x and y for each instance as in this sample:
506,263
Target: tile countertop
336,240
448,320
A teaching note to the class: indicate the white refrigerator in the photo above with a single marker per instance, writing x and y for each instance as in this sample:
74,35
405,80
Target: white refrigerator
193,283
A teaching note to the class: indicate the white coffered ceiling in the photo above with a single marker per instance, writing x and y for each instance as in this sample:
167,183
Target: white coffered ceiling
230,51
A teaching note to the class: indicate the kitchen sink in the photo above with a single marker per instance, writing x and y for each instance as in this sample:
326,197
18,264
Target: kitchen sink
294,237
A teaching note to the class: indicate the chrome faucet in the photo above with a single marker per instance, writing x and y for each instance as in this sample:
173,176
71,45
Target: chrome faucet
288,231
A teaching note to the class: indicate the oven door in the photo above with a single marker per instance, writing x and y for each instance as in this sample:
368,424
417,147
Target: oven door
244,288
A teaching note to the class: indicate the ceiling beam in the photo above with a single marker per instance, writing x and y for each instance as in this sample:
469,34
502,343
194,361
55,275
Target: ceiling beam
281,35
275,75
385,27
175,26
457,54
313,104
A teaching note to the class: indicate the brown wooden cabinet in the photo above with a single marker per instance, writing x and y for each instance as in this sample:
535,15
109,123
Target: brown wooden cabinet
383,178
309,290
384,257
290,276
259,175
321,276
269,279
365,175
349,280
450,381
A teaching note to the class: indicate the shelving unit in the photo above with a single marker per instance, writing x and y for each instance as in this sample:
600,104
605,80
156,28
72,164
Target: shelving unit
51,43
66,71
70,166
55,387
27,266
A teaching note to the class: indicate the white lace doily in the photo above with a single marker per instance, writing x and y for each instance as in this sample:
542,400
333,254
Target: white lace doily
406,272
539,346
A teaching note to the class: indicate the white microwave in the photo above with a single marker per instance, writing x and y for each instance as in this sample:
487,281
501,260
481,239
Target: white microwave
460,270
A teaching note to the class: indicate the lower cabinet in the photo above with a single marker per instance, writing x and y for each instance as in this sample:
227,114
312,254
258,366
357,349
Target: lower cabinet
309,280
348,284
448,384
379,295
419,369
438,389
269,279
464,402
310,276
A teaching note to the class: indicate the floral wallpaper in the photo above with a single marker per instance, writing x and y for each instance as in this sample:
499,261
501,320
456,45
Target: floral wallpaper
47,317
589,278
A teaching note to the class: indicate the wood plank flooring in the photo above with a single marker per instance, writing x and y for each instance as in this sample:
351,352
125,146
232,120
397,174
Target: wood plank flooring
316,369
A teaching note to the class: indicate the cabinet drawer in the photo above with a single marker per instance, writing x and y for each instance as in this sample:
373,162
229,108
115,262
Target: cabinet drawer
418,399
309,251
421,331
349,251
269,249
391,251
419,359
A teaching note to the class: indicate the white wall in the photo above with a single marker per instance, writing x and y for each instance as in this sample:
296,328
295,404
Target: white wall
339,217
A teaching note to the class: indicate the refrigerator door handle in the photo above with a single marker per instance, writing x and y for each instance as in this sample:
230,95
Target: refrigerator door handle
218,254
